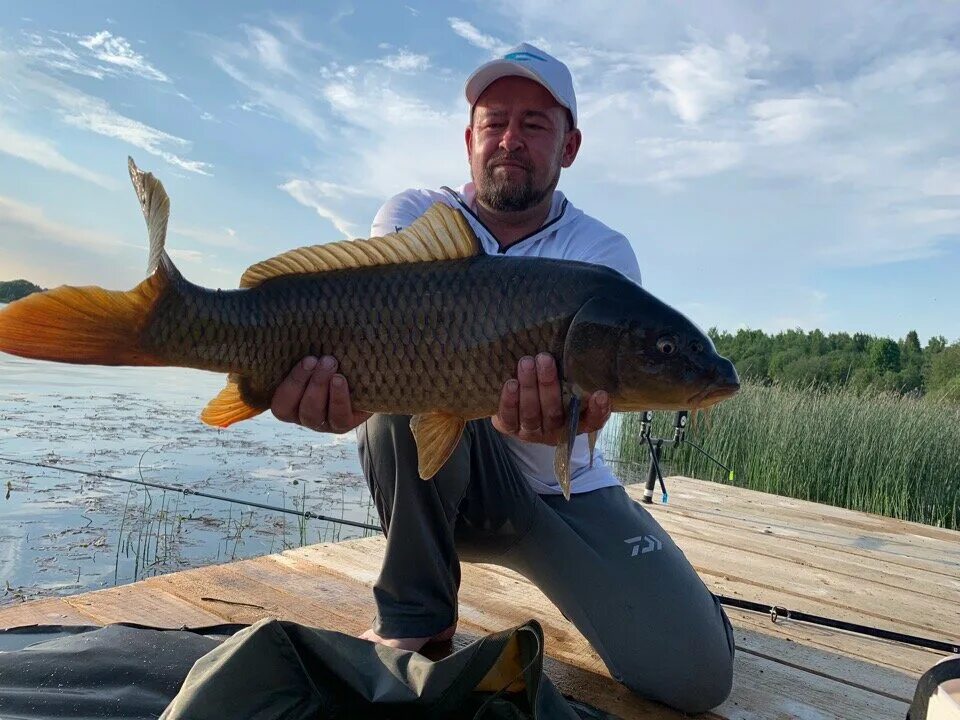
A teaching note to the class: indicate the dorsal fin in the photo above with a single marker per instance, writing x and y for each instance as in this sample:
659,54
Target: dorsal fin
441,233
155,204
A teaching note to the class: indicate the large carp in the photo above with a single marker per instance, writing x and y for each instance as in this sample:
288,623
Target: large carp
422,322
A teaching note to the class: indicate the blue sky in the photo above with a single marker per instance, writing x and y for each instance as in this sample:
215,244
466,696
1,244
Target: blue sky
774,165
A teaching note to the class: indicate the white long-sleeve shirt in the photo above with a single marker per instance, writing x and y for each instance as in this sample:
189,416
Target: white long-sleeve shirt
569,234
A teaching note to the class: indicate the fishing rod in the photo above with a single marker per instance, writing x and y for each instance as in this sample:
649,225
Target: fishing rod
656,449
778,612
200,493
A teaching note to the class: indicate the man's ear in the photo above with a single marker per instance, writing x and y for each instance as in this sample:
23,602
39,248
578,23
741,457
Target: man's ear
571,146
467,137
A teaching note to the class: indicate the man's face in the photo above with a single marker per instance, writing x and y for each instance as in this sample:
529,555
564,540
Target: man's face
517,144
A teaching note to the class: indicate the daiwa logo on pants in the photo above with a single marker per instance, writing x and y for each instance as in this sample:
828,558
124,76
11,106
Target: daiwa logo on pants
642,544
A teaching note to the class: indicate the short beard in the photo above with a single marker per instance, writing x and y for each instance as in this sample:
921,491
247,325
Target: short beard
508,196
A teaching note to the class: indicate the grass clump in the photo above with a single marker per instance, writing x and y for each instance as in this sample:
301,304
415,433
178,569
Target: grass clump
887,454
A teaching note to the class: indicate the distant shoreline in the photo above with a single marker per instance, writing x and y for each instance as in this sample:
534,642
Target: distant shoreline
11,290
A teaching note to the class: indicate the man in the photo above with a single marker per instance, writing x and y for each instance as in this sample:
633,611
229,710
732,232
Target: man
496,500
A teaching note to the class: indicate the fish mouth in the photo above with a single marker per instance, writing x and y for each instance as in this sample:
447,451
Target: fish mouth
714,393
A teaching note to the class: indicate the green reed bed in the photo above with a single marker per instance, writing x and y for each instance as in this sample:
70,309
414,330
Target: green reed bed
884,454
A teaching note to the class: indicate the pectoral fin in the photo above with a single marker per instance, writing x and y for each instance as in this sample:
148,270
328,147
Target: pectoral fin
229,406
561,461
436,435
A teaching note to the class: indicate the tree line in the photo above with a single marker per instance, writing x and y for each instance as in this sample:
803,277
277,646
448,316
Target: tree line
859,361
11,290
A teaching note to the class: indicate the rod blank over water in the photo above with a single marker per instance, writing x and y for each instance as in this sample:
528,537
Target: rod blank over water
199,493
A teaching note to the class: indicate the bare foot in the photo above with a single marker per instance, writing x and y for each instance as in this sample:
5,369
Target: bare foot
410,643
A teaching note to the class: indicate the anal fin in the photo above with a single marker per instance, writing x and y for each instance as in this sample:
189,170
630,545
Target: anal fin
228,407
561,461
436,435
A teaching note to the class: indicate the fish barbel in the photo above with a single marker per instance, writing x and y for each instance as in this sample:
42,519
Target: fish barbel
422,322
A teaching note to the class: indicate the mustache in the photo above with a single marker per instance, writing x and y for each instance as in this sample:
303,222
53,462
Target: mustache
502,157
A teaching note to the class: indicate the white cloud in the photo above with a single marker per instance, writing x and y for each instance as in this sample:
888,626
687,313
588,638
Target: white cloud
704,78
269,49
373,106
469,32
96,116
293,105
187,256
35,89
944,179
667,161
28,222
795,119
219,237
329,200
42,152
117,52
294,29
910,71
925,216
56,55
405,61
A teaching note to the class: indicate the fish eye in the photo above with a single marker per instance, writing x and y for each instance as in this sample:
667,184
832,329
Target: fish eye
667,345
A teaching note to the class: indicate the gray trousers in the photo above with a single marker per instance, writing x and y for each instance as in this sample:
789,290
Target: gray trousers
601,559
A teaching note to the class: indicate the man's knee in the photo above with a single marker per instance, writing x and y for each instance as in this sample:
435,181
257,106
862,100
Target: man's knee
690,677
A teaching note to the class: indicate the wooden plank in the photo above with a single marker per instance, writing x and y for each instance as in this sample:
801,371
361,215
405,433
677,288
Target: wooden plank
737,501
233,592
766,688
864,545
49,611
740,572
815,522
841,667
777,547
140,603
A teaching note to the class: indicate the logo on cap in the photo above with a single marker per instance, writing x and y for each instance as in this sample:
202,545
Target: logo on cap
523,56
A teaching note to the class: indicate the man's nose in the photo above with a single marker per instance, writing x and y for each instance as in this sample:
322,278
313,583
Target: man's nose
511,139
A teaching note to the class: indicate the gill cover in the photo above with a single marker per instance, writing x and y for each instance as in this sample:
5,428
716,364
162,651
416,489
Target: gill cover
592,347
590,363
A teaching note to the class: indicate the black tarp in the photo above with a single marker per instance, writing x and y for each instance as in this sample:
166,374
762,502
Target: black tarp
271,670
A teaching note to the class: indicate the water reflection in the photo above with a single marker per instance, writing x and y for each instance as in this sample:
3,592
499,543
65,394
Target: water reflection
62,534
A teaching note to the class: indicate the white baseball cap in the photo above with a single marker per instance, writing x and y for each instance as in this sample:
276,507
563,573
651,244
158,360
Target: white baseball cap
531,62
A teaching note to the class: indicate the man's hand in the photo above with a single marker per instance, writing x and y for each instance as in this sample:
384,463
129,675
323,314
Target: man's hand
316,396
531,407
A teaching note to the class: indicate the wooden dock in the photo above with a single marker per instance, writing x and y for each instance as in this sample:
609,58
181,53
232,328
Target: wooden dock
827,561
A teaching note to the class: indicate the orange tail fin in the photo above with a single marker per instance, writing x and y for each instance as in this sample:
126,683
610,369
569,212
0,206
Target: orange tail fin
87,325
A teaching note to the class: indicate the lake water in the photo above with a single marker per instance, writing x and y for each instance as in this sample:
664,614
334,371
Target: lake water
62,533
